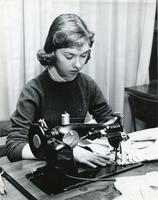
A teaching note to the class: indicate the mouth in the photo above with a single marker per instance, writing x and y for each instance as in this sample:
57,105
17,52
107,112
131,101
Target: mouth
74,72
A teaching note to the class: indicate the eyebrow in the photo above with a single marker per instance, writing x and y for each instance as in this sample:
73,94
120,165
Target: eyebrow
85,52
74,53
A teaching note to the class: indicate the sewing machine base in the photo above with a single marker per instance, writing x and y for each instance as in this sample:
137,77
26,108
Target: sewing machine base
54,181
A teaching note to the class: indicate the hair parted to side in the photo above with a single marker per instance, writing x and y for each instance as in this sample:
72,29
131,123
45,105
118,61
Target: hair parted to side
66,31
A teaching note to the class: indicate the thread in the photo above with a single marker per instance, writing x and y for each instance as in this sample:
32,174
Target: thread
65,118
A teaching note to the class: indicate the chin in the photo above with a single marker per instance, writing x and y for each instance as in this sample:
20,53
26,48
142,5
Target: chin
70,78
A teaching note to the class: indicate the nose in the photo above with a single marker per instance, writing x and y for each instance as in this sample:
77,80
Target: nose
77,63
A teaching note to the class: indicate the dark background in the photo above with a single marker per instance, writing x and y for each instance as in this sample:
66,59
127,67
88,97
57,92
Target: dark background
153,71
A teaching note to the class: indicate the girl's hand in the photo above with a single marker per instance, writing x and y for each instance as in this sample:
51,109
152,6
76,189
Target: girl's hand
92,159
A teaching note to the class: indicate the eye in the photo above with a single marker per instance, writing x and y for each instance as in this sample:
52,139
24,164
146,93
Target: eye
84,55
68,56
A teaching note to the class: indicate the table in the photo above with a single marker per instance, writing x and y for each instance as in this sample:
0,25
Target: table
149,91
96,190
143,101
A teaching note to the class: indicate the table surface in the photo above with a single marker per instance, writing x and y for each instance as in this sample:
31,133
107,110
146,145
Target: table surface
147,90
96,190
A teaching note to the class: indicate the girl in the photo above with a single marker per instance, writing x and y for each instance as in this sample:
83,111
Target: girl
61,87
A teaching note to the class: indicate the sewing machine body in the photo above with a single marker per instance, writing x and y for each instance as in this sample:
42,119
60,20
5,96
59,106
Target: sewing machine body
56,147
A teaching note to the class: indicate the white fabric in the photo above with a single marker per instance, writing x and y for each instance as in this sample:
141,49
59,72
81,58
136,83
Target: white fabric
141,146
143,187
123,36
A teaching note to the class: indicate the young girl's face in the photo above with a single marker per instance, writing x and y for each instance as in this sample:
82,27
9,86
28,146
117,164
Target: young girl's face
69,61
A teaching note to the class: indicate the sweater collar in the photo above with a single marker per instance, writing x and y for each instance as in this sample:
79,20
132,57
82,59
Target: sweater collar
55,75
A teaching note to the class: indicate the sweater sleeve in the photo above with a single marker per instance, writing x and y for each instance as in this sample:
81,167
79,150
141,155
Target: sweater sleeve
99,107
26,112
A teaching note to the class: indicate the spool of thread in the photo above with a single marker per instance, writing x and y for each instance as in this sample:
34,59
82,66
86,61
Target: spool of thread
65,118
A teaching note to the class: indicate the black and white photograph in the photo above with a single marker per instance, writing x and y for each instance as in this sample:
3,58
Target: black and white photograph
78,100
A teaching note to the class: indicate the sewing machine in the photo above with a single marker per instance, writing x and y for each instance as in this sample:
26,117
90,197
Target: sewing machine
56,145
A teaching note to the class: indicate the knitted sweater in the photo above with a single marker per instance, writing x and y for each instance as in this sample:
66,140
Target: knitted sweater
44,98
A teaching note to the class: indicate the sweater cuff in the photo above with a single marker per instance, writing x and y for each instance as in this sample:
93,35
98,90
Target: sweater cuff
16,154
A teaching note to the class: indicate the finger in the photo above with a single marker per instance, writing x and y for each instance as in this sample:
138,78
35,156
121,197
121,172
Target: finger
1,182
105,161
91,164
103,156
2,190
108,160
2,186
99,163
